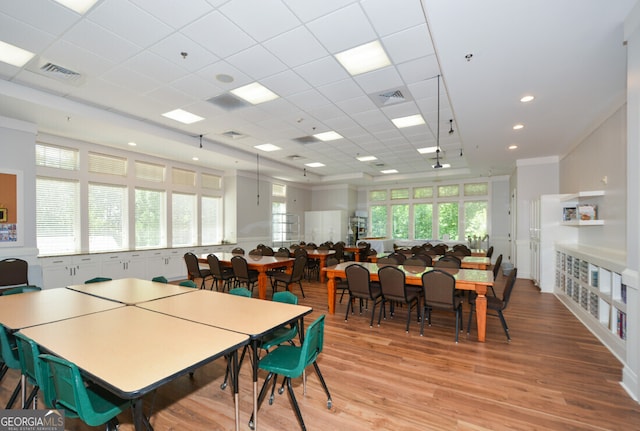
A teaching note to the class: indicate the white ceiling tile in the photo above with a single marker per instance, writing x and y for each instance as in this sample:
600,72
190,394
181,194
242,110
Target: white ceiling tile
171,96
219,35
36,80
310,10
308,99
97,39
357,104
174,13
51,17
286,83
401,109
418,70
406,13
154,66
408,44
197,87
369,119
23,35
322,72
78,59
343,29
103,93
130,79
341,90
296,47
326,112
171,47
256,62
209,73
280,18
381,79
139,27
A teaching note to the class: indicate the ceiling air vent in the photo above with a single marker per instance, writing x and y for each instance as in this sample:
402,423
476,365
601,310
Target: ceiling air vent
295,157
391,96
227,102
233,134
305,140
55,71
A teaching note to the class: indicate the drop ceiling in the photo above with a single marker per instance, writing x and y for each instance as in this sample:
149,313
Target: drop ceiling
123,64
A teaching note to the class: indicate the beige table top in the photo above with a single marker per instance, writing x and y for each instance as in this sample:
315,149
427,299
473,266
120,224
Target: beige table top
125,349
131,291
49,305
250,316
256,261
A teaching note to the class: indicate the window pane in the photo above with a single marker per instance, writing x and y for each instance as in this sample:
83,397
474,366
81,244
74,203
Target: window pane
211,220
448,220
57,157
423,221
448,191
181,177
151,221
476,189
107,218
104,164
184,219
475,218
400,194
400,221
279,190
378,195
211,181
149,172
379,221
422,192
279,222
57,220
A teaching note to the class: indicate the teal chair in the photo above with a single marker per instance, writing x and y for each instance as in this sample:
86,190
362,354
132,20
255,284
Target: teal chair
291,361
34,373
97,280
241,291
9,354
238,291
160,279
20,289
189,283
94,405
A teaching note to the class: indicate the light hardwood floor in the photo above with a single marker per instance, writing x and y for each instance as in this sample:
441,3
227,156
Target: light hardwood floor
554,375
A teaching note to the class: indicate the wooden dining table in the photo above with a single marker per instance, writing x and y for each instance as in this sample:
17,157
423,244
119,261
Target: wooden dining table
467,262
321,256
260,263
466,279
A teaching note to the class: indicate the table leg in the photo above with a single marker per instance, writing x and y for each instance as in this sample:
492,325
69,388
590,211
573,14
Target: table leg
234,380
262,283
322,263
481,316
254,349
331,293
139,421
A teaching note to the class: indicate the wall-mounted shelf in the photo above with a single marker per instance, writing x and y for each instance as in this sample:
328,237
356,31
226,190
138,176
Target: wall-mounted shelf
583,223
581,209
582,195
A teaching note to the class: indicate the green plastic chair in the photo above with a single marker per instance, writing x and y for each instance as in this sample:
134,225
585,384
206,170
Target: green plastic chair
291,361
97,280
94,405
20,289
241,291
160,279
9,354
189,283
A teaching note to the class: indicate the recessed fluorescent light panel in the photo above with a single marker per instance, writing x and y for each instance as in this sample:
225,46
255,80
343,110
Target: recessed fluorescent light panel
267,147
427,150
80,6
255,93
367,158
411,120
183,116
364,58
328,136
13,55
315,165
389,171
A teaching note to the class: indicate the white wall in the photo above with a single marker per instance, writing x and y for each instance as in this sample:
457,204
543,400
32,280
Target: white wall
500,218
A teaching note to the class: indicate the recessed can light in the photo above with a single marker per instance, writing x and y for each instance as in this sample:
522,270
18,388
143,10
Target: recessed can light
527,99
512,147
518,126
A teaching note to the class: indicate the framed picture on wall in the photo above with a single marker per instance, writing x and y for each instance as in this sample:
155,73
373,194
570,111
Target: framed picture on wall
11,208
3,215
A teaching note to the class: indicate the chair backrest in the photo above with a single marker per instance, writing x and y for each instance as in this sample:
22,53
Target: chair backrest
358,279
448,261
508,287
160,279
458,253
238,250
286,297
20,289
490,252
462,248
267,251
13,272
387,260
496,267
426,258
332,260
439,288
214,265
283,249
189,283
241,291
298,268
415,261
392,282
312,345
364,252
300,251
339,248
255,252
283,253
8,349
400,257
439,249
97,280
193,267
29,351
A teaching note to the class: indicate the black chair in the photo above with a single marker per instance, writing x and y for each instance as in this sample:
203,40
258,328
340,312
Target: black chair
220,273
490,252
387,260
238,250
256,252
194,271
339,248
13,272
399,257
498,305
496,269
242,274
296,275
463,249
415,261
439,249
440,293
361,288
448,261
341,284
394,290
426,258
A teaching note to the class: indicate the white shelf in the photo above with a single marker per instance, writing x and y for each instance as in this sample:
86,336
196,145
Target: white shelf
583,223
582,195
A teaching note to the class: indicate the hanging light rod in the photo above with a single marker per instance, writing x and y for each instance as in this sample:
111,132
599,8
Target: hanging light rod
438,165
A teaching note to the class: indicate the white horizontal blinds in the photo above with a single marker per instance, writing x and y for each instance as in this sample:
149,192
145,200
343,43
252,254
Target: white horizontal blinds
213,182
53,156
57,219
149,172
107,211
211,223
183,177
150,218
422,192
378,195
106,164
476,189
184,218
452,190
279,190
399,193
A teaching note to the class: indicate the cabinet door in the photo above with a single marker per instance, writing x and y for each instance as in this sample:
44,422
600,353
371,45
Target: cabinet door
57,272
135,266
87,267
113,266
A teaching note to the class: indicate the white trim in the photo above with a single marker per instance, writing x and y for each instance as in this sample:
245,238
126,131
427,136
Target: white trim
538,161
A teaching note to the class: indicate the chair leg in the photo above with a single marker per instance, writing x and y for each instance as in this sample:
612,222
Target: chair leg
349,305
324,384
294,401
373,312
301,289
409,317
473,307
504,325
14,395
383,305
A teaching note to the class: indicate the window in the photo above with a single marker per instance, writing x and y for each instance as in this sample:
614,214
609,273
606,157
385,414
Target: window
105,164
150,219
149,172
448,191
399,193
53,156
476,189
279,231
423,221
182,177
400,217
422,192
279,190
211,220
378,195
184,218
448,220
107,217
475,218
57,220
213,182
379,220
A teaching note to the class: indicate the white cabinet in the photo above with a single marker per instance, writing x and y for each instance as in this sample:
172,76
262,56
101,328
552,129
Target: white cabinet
125,265
169,263
67,270
321,226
